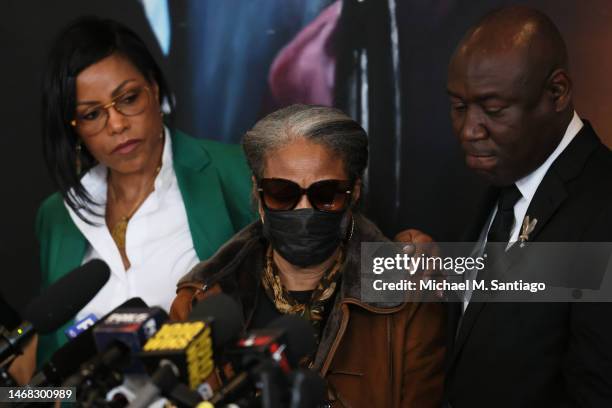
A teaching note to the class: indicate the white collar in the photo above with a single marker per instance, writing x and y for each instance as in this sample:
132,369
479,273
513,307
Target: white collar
94,181
166,173
529,184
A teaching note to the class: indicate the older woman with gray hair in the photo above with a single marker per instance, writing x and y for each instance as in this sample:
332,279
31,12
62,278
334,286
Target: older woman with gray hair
302,257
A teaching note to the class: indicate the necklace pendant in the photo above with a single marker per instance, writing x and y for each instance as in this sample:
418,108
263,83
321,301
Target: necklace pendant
118,233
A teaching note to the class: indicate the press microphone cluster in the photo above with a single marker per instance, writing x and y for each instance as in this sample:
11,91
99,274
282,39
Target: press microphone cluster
204,361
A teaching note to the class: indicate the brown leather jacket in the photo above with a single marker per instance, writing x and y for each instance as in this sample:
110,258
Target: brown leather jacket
371,354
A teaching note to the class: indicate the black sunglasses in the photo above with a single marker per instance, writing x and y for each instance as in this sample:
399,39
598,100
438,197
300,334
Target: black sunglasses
325,195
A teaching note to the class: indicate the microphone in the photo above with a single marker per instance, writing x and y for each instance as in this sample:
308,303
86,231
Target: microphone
267,357
165,381
222,317
68,358
119,339
307,389
225,315
185,347
6,379
300,337
55,306
132,328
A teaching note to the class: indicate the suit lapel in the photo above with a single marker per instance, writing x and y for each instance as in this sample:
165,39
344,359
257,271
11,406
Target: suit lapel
201,189
548,198
466,324
552,190
463,324
551,193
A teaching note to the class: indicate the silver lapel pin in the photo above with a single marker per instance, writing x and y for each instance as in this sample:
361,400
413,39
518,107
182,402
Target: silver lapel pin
528,227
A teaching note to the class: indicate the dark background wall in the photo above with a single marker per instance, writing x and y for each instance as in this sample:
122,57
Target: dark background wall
219,62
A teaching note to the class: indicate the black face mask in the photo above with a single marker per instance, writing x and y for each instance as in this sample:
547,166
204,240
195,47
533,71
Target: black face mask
304,237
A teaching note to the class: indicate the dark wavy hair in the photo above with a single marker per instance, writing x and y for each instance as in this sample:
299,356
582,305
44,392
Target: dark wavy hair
81,44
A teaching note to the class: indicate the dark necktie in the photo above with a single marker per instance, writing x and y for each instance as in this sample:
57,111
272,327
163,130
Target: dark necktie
499,233
504,218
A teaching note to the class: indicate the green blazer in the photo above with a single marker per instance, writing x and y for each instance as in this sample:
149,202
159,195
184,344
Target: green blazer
215,184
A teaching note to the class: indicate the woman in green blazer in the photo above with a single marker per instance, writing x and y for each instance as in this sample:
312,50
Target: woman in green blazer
148,201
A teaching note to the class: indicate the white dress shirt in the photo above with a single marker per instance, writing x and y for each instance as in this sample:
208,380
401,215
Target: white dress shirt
528,186
158,242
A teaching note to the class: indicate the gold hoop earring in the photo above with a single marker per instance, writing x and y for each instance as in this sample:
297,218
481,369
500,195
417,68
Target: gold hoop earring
78,158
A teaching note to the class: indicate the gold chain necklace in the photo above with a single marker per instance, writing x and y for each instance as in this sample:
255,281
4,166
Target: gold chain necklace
118,231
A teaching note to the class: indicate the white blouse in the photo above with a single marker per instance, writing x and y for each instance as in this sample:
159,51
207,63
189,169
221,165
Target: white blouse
158,242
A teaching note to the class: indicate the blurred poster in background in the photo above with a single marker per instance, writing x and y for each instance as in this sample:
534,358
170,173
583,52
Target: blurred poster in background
220,55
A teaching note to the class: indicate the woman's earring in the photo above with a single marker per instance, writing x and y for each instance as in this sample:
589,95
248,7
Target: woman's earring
78,158
350,233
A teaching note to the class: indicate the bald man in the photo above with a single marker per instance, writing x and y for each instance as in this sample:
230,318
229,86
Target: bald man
511,108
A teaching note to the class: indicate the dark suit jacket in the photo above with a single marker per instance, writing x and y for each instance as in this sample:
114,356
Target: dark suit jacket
544,354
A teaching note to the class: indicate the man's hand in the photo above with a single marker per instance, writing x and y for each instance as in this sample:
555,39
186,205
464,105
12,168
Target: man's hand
417,243
413,236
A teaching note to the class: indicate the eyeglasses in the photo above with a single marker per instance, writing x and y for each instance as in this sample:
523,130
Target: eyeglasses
130,103
325,195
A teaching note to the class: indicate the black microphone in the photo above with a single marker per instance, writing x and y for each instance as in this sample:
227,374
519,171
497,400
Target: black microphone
300,337
165,381
56,305
129,328
307,389
68,358
6,379
267,357
225,317
119,339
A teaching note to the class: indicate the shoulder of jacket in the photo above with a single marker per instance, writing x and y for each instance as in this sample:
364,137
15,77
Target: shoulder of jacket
53,203
51,211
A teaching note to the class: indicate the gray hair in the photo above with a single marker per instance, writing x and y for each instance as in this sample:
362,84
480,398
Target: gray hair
319,124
